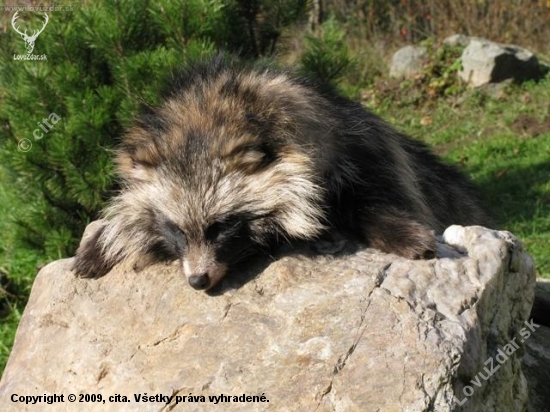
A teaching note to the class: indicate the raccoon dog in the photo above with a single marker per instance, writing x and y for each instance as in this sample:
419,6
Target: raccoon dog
239,157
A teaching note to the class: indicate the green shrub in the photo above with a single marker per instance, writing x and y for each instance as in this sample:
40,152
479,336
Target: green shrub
61,117
326,55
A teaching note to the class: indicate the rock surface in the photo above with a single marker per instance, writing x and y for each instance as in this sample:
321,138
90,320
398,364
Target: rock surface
484,61
408,61
361,332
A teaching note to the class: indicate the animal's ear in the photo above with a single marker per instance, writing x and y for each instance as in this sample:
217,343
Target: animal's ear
250,156
90,262
137,156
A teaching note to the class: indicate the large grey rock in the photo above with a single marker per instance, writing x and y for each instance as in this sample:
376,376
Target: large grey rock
484,61
408,61
360,332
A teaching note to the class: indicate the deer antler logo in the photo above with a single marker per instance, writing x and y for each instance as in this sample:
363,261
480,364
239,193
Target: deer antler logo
29,40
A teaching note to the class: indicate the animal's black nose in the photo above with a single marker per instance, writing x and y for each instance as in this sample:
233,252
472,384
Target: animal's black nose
199,282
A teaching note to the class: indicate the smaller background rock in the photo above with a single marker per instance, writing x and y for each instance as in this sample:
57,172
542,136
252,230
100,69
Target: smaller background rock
484,61
408,61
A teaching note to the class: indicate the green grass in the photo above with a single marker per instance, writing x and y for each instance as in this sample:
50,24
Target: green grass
510,163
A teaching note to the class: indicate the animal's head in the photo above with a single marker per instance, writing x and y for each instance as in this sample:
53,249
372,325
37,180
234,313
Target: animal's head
208,176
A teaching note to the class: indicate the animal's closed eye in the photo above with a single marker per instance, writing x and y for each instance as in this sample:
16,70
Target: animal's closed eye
223,228
174,236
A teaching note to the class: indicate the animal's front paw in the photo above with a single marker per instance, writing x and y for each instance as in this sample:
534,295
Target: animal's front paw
419,245
89,261
395,232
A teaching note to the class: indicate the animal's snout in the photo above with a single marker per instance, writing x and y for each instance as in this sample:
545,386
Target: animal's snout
200,282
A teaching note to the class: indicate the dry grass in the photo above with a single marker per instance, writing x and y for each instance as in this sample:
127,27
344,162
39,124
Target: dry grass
524,22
